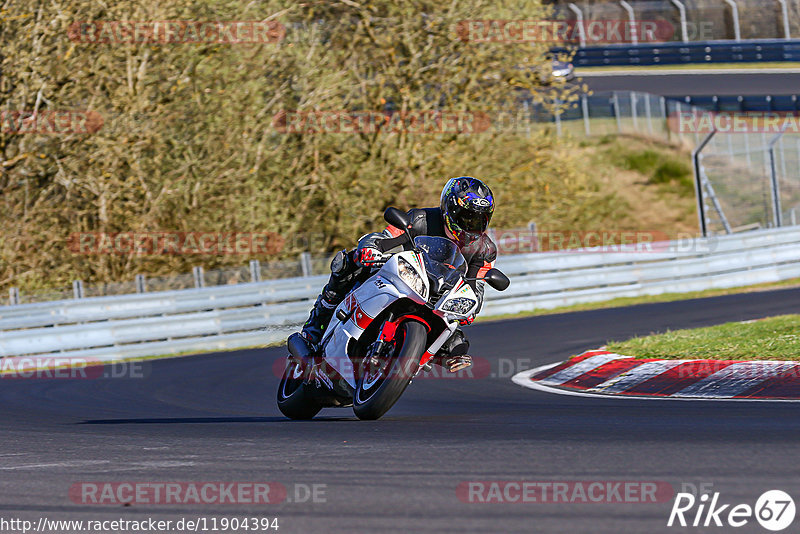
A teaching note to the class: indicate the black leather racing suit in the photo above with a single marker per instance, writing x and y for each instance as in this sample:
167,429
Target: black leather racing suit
479,255
345,272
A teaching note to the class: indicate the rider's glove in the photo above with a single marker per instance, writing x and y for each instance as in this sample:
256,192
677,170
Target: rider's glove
370,257
467,320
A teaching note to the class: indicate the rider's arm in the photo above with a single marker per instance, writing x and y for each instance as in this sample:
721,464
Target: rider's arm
477,270
385,241
478,266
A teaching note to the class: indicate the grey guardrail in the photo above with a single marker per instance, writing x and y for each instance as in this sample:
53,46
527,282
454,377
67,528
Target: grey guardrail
251,314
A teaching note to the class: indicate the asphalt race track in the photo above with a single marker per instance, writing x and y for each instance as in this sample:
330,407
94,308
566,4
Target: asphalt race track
213,418
680,85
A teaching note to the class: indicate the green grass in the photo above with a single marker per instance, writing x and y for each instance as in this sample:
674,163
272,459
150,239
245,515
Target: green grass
774,338
659,164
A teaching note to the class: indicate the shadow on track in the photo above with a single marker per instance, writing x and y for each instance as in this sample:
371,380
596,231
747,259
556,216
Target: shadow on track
195,420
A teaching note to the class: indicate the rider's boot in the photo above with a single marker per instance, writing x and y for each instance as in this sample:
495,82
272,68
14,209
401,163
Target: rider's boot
453,354
320,316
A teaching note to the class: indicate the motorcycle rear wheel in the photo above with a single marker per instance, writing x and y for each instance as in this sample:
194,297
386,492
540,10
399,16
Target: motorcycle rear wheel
376,393
294,399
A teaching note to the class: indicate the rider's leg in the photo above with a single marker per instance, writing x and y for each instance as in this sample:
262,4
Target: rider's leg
342,280
453,354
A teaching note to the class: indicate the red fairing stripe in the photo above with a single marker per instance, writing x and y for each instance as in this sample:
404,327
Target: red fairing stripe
361,319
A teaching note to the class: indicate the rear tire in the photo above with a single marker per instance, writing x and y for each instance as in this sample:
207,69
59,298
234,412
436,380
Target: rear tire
294,399
374,396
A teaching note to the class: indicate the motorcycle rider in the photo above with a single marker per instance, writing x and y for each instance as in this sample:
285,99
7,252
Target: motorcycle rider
463,216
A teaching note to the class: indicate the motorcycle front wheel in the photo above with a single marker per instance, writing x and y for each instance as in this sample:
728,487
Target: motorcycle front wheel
379,387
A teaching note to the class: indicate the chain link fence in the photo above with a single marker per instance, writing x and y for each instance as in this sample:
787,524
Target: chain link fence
702,20
748,180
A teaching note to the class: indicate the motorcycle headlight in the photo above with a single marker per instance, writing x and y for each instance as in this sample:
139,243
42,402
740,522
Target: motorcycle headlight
459,305
410,276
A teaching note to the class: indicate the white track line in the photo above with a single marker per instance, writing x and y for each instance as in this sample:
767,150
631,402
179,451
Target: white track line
524,379
634,71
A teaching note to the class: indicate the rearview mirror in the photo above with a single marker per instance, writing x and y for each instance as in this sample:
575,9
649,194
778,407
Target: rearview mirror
496,279
397,218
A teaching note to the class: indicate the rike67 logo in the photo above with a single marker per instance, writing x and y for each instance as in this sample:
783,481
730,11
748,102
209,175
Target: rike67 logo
774,510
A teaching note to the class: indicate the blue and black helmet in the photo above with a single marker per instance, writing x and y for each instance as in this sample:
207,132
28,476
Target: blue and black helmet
467,206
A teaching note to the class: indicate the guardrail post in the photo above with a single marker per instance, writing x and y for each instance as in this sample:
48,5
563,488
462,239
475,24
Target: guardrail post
13,296
737,31
585,113
77,289
777,215
255,271
581,28
141,287
305,264
698,184
747,150
199,279
663,105
615,107
534,236
730,147
648,113
785,15
632,17
634,114
682,11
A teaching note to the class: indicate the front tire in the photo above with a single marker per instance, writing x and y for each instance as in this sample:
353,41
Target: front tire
377,392
294,399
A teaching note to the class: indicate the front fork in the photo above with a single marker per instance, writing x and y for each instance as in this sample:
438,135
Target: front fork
389,331
384,341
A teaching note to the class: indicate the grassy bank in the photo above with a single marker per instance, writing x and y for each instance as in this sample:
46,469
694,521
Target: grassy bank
774,338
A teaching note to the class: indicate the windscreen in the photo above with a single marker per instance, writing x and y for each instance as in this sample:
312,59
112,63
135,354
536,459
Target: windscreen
440,255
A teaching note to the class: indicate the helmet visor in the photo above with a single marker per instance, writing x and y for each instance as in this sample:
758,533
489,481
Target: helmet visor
470,221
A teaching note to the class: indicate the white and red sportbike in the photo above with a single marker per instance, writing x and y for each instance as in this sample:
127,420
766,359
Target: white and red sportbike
384,332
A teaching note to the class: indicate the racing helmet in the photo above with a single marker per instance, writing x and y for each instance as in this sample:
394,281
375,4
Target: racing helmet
467,205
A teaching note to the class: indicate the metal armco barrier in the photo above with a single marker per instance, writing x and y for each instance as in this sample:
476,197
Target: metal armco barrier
679,53
213,318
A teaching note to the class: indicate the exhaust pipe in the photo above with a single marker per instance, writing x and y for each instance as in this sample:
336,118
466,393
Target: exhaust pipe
299,347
